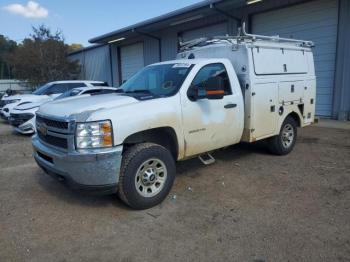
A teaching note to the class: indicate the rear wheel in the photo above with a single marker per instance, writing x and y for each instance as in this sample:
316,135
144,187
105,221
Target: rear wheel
147,175
284,142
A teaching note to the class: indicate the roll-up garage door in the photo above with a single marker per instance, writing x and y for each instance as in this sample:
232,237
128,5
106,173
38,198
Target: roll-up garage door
131,60
316,21
212,30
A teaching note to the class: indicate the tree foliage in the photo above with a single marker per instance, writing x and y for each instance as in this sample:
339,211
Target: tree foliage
75,47
42,58
7,47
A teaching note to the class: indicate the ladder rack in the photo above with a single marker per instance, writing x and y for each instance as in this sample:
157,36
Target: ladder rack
242,35
273,38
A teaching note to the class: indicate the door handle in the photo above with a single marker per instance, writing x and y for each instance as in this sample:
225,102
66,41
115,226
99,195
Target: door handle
230,106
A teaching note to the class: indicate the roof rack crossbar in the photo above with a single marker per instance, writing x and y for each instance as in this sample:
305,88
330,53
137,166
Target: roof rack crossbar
199,41
242,34
274,38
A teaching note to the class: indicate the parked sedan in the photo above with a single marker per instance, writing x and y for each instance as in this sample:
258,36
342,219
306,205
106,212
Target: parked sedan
22,117
43,94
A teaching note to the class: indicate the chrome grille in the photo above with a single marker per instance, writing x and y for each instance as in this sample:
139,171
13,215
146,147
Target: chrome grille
53,140
53,132
52,123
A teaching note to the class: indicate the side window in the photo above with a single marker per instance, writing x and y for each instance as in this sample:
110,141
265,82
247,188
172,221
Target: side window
57,89
210,71
75,85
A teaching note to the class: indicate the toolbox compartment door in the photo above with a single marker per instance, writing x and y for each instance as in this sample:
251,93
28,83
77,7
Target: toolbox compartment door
291,91
264,115
273,61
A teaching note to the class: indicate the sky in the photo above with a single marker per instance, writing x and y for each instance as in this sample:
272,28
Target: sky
79,20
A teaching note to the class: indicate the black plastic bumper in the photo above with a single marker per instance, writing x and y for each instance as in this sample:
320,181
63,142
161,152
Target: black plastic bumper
94,190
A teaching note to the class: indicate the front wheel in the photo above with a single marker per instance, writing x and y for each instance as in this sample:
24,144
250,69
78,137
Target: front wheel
284,142
147,175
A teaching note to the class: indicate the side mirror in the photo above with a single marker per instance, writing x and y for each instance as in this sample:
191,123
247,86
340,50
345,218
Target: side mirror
213,88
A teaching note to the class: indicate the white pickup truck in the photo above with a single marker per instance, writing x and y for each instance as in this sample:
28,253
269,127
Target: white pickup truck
218,92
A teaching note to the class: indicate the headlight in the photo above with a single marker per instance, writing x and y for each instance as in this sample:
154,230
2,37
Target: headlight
12,101
94,134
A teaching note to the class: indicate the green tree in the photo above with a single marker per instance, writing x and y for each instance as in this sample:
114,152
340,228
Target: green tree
7,47
42,58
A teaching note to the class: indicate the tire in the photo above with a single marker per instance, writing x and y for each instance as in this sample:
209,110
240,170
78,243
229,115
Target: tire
146,176
284,142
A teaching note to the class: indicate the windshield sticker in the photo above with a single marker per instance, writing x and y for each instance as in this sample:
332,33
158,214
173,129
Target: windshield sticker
182,65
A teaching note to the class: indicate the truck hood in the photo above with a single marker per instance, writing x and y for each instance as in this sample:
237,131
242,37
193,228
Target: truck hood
80,108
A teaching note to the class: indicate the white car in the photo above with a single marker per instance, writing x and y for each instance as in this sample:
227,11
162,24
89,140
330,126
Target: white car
43,94
22,117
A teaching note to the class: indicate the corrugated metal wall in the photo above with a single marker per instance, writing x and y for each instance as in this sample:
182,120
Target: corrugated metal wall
316,21
95,64
341,101
150,55
211,30
150,50
131,60
170,37
169,44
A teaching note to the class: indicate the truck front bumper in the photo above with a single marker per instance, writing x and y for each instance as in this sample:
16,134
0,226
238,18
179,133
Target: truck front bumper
95,171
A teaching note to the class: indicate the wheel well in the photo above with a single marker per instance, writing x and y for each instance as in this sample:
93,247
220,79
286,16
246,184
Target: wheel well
164,136
296,118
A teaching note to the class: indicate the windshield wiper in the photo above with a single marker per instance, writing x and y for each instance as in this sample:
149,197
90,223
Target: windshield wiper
138,91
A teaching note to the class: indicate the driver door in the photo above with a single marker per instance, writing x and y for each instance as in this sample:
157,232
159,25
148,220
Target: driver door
210,123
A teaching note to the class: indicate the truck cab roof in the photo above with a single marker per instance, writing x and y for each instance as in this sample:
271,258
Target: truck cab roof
195,61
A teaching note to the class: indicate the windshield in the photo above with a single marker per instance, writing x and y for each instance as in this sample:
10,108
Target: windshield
69,93
41,90
158,80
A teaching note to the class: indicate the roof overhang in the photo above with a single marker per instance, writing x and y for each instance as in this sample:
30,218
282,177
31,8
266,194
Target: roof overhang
177,17
85,49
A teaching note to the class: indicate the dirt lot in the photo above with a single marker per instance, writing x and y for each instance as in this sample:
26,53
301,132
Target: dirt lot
248,206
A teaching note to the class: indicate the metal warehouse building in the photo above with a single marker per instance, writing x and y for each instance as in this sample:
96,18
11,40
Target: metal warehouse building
119,54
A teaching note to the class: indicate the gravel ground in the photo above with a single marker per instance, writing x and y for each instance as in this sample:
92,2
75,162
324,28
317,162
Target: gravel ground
248,206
